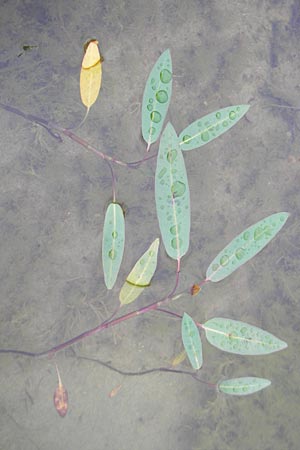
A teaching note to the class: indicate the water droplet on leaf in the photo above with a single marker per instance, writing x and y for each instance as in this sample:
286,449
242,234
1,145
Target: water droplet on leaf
171,155
165,76
112,254
224,260
178,189
162,96
240,253
155,116
205,136
186,138
176,243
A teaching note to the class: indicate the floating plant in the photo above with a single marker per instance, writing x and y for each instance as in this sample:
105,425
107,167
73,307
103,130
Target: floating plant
172,199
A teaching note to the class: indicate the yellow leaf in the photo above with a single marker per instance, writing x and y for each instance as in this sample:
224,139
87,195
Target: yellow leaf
90,74
140,276
178,358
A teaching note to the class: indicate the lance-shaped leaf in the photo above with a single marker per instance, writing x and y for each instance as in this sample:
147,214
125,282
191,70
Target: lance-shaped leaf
90,74
112,243
243,385
245,246
172,195
140,276
211,126
156,99
241,338
191,341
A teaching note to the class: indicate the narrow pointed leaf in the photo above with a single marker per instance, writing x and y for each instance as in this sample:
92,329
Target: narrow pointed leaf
243,385
140,276
112,243
90,74
172,195
211,126
156,99
191,341
241,338
245,246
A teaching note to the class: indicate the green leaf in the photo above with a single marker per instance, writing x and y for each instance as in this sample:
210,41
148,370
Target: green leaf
140,276
243,385
172,195
191,341
245,246
112,243
241,338
156,99
211,126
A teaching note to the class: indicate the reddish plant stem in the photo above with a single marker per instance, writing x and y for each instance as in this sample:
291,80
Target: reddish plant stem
104,325
50,126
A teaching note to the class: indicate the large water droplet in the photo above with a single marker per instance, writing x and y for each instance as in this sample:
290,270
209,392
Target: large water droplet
151,253
174,230
171,155
186,138
165,76
205,136
162,96
232,115
224,260
225,123
149,107
112,254
218,115
240,253
114,234
152,131
155,116
178,189
246,235
176,242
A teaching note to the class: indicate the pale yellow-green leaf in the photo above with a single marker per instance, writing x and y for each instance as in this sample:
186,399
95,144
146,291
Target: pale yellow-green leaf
90,74
140,276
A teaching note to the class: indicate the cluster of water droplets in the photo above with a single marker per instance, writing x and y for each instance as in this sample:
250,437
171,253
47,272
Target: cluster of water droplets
177,190
213,126
253,238
160,97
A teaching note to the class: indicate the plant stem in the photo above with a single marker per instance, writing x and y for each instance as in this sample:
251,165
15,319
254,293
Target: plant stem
104,325
147,371
50,126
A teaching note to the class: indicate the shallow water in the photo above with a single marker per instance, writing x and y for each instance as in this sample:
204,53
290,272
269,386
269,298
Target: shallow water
53,199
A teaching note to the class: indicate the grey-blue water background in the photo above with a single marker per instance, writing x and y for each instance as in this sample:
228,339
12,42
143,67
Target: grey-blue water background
53,199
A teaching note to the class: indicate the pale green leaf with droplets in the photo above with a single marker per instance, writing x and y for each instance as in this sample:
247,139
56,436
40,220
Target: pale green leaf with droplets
112,243
211,126
243,385
156,99
191,341
246,245
140,276
172,195
241,338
